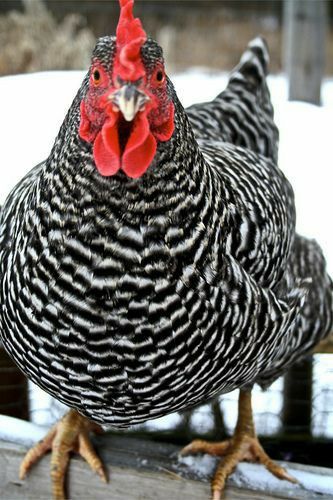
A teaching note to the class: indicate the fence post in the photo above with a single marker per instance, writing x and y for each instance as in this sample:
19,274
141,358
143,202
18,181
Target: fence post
13,388
297,399
305,24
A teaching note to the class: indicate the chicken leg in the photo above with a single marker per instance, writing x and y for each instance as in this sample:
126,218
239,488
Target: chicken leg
244,445
70,434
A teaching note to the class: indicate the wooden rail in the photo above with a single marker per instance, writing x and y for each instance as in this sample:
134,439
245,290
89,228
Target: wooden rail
138,470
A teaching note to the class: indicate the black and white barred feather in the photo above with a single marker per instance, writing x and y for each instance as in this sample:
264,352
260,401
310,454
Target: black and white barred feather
242,114
249,121
128,299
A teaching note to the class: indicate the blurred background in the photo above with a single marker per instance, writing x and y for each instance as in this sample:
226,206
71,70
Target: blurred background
295,416
60,34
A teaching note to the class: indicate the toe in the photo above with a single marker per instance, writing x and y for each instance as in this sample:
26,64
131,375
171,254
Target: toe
87,452
274,468
201,446
279,471
35,453
223,471
59,464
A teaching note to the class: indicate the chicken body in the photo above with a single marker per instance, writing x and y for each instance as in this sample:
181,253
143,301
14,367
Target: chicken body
243,115
131,298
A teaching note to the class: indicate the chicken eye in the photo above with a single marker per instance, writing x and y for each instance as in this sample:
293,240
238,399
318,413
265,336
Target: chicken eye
160,76
96,76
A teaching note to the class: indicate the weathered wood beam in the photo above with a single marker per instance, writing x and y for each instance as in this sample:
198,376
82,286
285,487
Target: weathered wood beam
138,469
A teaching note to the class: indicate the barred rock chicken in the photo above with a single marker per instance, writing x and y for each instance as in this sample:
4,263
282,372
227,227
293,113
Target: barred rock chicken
151,262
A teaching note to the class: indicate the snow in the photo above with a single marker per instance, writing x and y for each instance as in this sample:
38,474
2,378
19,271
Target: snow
33,107
258,478
19,431
39,405
202,466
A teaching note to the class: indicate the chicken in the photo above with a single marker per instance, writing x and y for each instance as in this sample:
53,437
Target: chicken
151,262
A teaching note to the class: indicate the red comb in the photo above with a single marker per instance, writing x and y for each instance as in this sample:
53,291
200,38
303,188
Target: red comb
130,38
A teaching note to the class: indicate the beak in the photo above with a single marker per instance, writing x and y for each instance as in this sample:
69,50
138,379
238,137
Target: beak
129,100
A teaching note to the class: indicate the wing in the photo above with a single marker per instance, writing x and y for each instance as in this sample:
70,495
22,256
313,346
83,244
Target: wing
243,113
15,204
260,204
315,320
253,324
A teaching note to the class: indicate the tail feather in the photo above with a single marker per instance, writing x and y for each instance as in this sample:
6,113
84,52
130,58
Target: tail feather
253,65
243,113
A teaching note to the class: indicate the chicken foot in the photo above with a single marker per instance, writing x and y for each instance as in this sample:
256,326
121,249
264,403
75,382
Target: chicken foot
244,445
70,434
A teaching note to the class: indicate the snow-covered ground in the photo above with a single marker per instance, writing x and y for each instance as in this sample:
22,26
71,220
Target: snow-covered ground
33,107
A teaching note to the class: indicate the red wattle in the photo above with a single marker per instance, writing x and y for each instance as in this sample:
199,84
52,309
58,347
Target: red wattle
106,148
140,148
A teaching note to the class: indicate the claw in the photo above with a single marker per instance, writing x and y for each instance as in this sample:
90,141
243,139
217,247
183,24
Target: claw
274,468
71,433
